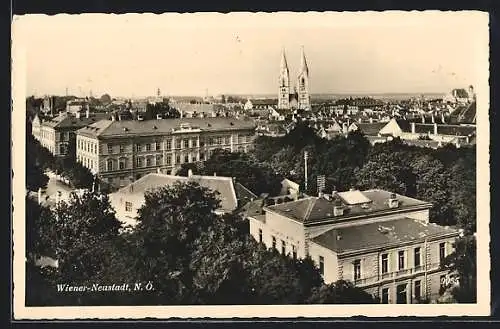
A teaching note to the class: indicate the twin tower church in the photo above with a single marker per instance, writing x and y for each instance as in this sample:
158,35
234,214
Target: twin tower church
299,98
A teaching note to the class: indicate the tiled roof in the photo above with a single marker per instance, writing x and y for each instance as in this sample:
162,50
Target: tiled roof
264,101
319,209
69,120
243,194
223,185
455,130
371,129
160,127
381,234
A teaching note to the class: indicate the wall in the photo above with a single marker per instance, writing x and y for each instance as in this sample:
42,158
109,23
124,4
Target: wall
284,229
331,267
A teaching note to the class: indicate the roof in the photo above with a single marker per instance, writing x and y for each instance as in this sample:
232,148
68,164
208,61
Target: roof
243,194
264,101
318,209
460,93
380,234
149,182
371,129
456,130
70,121
124,128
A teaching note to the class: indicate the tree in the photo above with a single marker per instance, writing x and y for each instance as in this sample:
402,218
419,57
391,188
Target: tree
83,227
389,172
463,262
105,99
40,230
432,186
340,292
169,223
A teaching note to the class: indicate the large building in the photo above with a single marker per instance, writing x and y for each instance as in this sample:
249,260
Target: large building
129,199
381,241
120,152
58,134
300,98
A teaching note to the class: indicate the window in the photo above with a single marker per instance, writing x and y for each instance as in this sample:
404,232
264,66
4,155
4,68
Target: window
110,165
138,147
158,160
148,147
416,257
139,162
178,144
442,253
385,295
385,263
260,235
169,160
121,164
294,252
401,259
228,140
110,149
283,247
202,156
357,269
321,265
177,159
158,146
148,162
168,144
202,142
194,142
401,294
417,290
211,141
122,148
274,242
128,206
240,139
186,158
186,143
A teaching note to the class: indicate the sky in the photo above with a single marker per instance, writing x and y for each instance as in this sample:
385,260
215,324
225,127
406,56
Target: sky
193,54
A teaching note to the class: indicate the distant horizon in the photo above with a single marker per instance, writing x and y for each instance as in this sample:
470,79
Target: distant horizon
239,53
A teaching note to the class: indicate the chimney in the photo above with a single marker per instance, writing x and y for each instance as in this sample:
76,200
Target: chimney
131,188
39,195
413,127
371,120
87,113
339,237
393,201
338,210
77,115
435,128
190,173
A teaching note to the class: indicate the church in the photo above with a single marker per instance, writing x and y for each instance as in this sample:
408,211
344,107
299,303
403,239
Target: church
299,98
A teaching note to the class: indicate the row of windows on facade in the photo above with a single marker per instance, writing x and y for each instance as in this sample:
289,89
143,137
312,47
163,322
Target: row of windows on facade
402,291
148,161
417,258
91,147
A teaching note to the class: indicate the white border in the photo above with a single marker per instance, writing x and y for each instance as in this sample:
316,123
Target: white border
279,311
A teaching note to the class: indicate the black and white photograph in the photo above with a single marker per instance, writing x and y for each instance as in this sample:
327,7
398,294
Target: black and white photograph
250,165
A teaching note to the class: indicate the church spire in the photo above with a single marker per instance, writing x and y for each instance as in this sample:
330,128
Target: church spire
303,62
284,64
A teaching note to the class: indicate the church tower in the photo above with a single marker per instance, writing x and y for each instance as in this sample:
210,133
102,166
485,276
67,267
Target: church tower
284,84
303,83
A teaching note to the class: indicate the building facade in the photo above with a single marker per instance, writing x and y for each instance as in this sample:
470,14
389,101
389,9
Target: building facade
380,241
58,134
300,97
120,152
